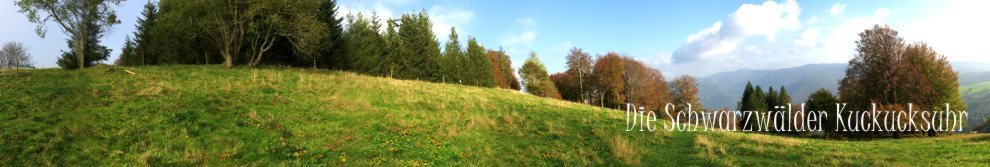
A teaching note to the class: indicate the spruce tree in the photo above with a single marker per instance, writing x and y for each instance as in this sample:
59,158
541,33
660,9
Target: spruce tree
771,99
783,98
420,49
452,66
747,94
364,45
334,45
128,56
480,66
143,38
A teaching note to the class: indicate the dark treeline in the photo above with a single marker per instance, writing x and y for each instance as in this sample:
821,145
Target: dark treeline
309,33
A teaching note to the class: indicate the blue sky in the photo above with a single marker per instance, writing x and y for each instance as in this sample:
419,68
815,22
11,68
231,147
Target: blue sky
678,37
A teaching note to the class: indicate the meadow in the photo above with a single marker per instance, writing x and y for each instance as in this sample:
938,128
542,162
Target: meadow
196,115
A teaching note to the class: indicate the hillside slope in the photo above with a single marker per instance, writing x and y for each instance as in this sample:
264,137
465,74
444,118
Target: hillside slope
209,115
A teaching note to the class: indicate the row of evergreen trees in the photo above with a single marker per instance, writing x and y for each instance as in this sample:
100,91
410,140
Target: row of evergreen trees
756,100
404,48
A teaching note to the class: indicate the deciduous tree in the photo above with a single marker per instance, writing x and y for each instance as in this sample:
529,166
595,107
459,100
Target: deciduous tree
78,19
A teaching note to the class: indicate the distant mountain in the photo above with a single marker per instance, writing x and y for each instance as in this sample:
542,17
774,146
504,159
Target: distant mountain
964,67
725,89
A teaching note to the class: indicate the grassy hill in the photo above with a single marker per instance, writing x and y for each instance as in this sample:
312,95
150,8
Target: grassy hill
209,115
978,105
974,88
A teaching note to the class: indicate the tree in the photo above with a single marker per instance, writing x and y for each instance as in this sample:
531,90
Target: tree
364,45
505,77
128,54
453,60
14,55
78,19
684,90
225,23
756,103
609,75
419,47
333,44
783,98
644,86
653,90
823,101
143,37
94,52
391,57
567,86
294,20
743,104
771,99
535,78
139,50
181,40
891,73
579,64
478,65
254,27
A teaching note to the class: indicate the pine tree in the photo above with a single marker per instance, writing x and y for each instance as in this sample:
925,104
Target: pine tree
480,66
453,66
771,99
143,38
783,98
128,57
334,45
392,52
365,45
747,94
420,49
94,51
536,81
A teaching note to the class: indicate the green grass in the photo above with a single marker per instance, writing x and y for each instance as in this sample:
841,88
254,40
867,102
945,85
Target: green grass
209,115
974,88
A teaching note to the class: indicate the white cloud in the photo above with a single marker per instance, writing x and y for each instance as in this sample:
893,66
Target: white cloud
955,30
837,9
525,38
840,42
812,21
723,38
731,45
808,38
445,17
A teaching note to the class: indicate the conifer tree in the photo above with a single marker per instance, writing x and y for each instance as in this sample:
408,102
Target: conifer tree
479,65
453,64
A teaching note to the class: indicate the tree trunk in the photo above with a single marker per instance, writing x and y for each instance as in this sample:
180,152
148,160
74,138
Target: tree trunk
228,60
81,50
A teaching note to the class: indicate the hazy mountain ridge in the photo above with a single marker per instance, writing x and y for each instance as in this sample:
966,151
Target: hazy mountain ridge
724,89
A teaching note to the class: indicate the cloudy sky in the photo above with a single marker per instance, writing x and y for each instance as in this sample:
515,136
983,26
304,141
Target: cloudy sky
678,37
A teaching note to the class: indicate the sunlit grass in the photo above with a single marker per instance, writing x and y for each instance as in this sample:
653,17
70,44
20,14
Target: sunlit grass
209,115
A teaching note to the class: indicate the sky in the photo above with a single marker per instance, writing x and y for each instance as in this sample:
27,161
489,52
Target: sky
696,38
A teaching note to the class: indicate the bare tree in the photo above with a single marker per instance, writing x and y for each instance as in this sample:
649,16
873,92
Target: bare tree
14,55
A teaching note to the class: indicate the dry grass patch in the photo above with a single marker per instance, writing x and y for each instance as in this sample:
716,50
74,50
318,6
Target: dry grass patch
480,122
711,149
623,151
